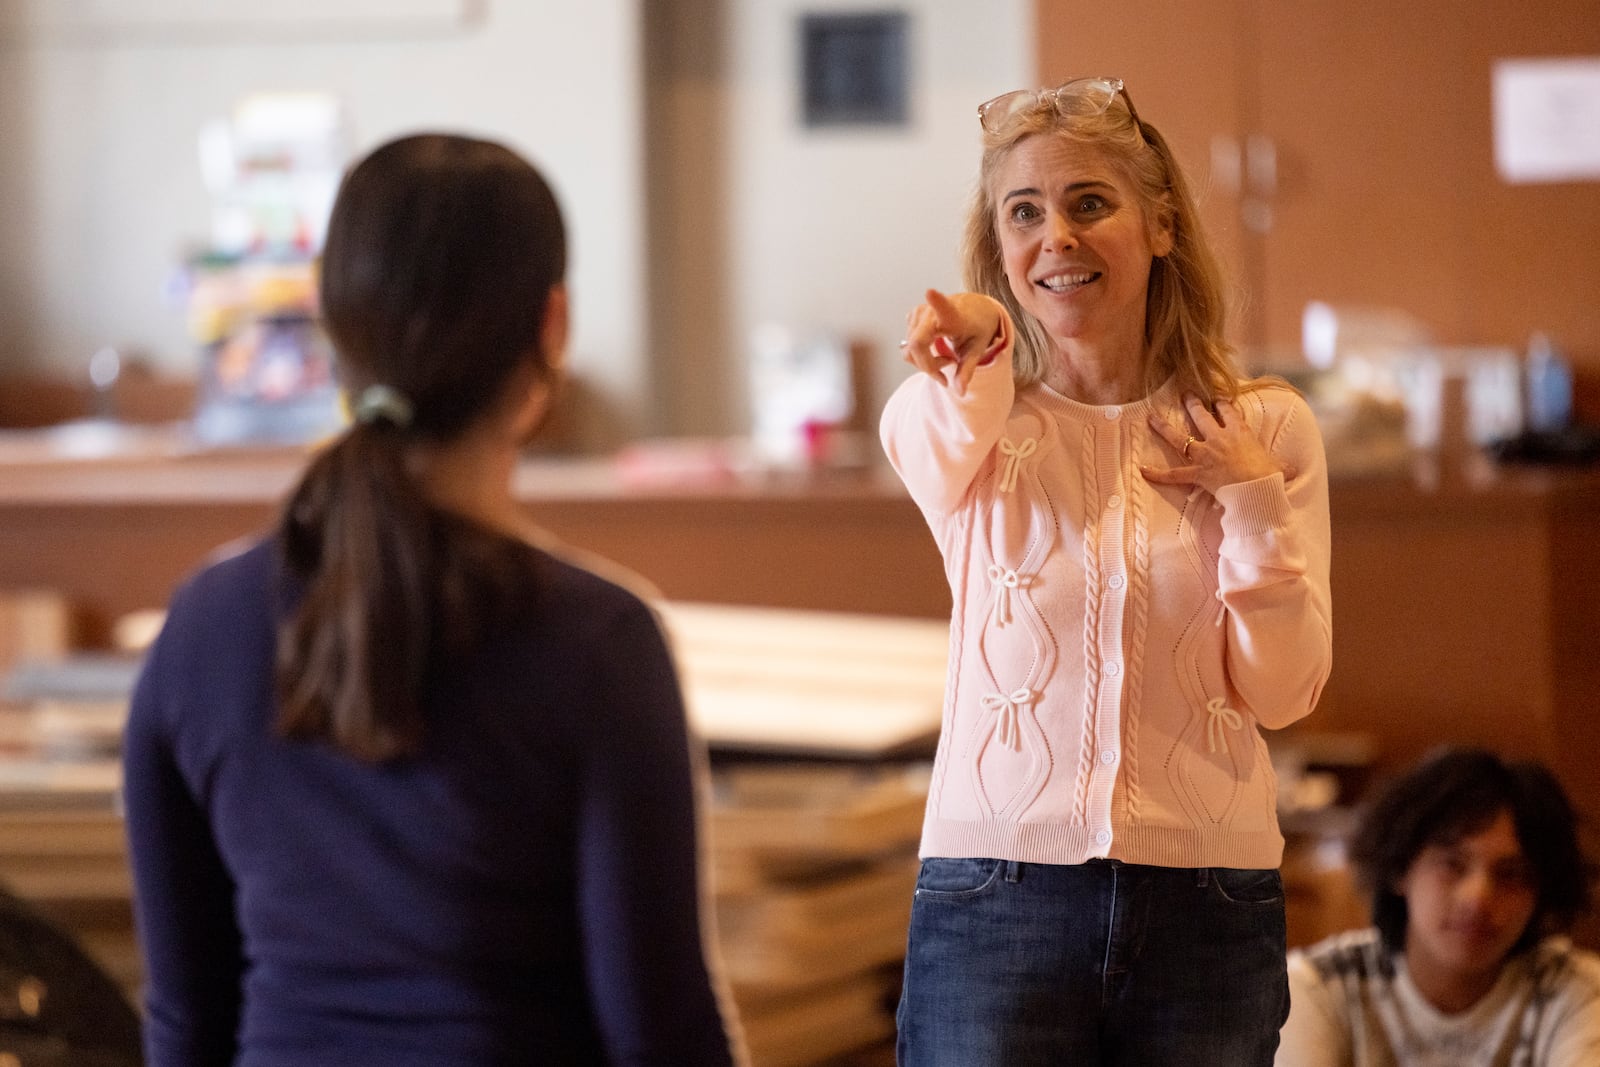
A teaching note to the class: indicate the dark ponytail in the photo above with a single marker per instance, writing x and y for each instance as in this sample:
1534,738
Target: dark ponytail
442,252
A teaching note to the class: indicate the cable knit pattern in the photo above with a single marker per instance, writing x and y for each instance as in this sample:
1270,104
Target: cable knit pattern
1091,626
1176,609
1139,595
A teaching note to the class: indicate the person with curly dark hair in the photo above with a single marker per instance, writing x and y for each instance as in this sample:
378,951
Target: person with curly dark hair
1476,874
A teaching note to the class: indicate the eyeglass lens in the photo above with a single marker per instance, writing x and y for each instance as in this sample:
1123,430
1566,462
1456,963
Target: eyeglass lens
1089,96
1079,97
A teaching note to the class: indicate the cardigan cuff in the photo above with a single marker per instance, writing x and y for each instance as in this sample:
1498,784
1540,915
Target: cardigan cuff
1255,507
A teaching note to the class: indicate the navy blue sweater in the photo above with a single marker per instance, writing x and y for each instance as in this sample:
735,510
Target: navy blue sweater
524,892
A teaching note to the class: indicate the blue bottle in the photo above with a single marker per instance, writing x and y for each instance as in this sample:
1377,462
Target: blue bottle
1549,387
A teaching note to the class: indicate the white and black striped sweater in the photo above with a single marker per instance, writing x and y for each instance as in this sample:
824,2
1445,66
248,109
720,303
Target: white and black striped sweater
1354,1005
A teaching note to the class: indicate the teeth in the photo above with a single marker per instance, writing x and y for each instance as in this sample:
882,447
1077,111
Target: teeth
1060,283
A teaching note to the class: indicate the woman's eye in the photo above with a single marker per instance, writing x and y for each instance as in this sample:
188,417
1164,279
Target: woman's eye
1091,205
1024,213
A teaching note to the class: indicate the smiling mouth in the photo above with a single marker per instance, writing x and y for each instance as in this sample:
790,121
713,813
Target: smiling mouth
1066,283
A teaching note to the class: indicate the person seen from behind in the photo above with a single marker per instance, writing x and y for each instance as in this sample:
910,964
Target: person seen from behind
403,786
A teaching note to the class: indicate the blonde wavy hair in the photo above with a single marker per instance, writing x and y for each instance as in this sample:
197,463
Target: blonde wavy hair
1186,307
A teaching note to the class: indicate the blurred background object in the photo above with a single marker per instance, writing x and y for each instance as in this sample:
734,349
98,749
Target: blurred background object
266,368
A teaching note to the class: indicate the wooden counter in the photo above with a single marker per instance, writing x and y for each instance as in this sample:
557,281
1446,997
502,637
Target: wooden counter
114,535
1465,609
1464,603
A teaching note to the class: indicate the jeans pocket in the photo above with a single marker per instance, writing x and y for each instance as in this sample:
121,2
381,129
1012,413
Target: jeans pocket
1247,885
957,879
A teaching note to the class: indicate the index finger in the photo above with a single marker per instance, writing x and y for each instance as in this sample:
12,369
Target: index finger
944,309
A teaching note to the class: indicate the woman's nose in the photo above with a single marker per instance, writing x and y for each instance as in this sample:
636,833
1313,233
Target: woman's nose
1060,234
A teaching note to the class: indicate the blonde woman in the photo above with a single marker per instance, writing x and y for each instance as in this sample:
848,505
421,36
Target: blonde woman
1137,541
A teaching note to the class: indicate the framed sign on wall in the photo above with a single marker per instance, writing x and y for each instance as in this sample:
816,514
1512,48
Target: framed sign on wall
854,69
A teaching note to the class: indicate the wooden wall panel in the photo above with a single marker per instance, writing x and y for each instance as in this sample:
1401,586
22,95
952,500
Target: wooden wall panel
1381,114
1187,66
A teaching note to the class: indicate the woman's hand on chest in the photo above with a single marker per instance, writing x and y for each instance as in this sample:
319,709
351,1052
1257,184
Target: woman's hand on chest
1214,448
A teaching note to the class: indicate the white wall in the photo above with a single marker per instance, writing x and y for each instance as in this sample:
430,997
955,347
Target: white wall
101,191
699,204
816,229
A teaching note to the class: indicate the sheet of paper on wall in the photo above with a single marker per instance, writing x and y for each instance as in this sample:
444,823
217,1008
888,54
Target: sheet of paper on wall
1547,119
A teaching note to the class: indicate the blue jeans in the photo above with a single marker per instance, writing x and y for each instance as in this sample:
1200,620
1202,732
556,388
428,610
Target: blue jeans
1100,963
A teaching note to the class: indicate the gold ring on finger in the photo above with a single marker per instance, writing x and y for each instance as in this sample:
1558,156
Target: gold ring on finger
1191,439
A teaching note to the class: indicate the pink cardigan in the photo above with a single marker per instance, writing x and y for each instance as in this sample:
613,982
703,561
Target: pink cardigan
1115,646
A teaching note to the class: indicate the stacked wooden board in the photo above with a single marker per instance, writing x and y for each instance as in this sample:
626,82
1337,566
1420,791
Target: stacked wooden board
819,724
